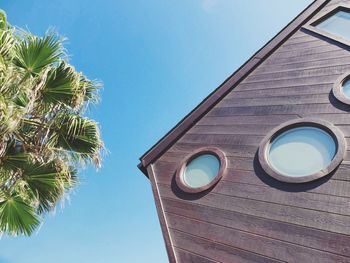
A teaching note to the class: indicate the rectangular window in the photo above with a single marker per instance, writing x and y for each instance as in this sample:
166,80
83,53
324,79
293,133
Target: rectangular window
334,25
337,24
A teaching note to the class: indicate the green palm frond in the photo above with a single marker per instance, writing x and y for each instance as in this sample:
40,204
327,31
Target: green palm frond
21,100
17,216
77,134
15,160
61,85
90,89
47,183
10,116
35,53
7,43
3,20
41,185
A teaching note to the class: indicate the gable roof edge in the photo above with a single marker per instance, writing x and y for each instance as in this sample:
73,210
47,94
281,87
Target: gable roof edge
230,83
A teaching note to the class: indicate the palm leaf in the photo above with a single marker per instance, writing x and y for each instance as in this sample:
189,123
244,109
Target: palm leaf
17,216
90,89
21,100
7,43
61,85
3,20
35,53
14,161
47,183
78,135
10,116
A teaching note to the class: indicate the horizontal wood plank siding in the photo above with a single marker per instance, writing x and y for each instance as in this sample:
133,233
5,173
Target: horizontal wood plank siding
186,256
308,237
216,251
290,214
272,248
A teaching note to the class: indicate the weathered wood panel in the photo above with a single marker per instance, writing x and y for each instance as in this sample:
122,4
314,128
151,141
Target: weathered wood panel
316,56
229,120
332,61
308,237
294,215
221,252
318,71
280,83
272,92
298,109
275,249
185,256
278,100
324,47
161,216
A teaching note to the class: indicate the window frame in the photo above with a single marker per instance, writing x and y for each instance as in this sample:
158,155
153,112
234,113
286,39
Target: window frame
312,25
182,168
338,89
333,131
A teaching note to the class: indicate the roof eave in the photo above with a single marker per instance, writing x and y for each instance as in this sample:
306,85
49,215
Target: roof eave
143,169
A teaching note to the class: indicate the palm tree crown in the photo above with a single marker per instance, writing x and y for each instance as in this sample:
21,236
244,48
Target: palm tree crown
44,136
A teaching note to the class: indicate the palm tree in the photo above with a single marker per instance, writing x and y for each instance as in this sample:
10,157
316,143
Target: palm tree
44,137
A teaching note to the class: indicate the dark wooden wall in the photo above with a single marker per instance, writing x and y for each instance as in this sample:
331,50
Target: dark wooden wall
248,216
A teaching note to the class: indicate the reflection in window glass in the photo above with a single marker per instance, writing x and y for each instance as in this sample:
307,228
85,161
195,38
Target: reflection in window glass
338,24
301,151
201,170
346,88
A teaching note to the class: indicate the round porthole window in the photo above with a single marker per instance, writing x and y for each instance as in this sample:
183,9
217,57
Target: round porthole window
346,88
201,170
341,89
302,150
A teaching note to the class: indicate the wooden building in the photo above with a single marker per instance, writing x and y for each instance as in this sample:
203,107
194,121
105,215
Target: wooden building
260,170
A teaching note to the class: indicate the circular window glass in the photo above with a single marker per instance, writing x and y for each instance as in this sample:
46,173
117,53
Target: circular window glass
346,88
201,170
302,151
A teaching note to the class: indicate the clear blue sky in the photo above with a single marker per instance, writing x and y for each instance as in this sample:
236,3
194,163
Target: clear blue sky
147,53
